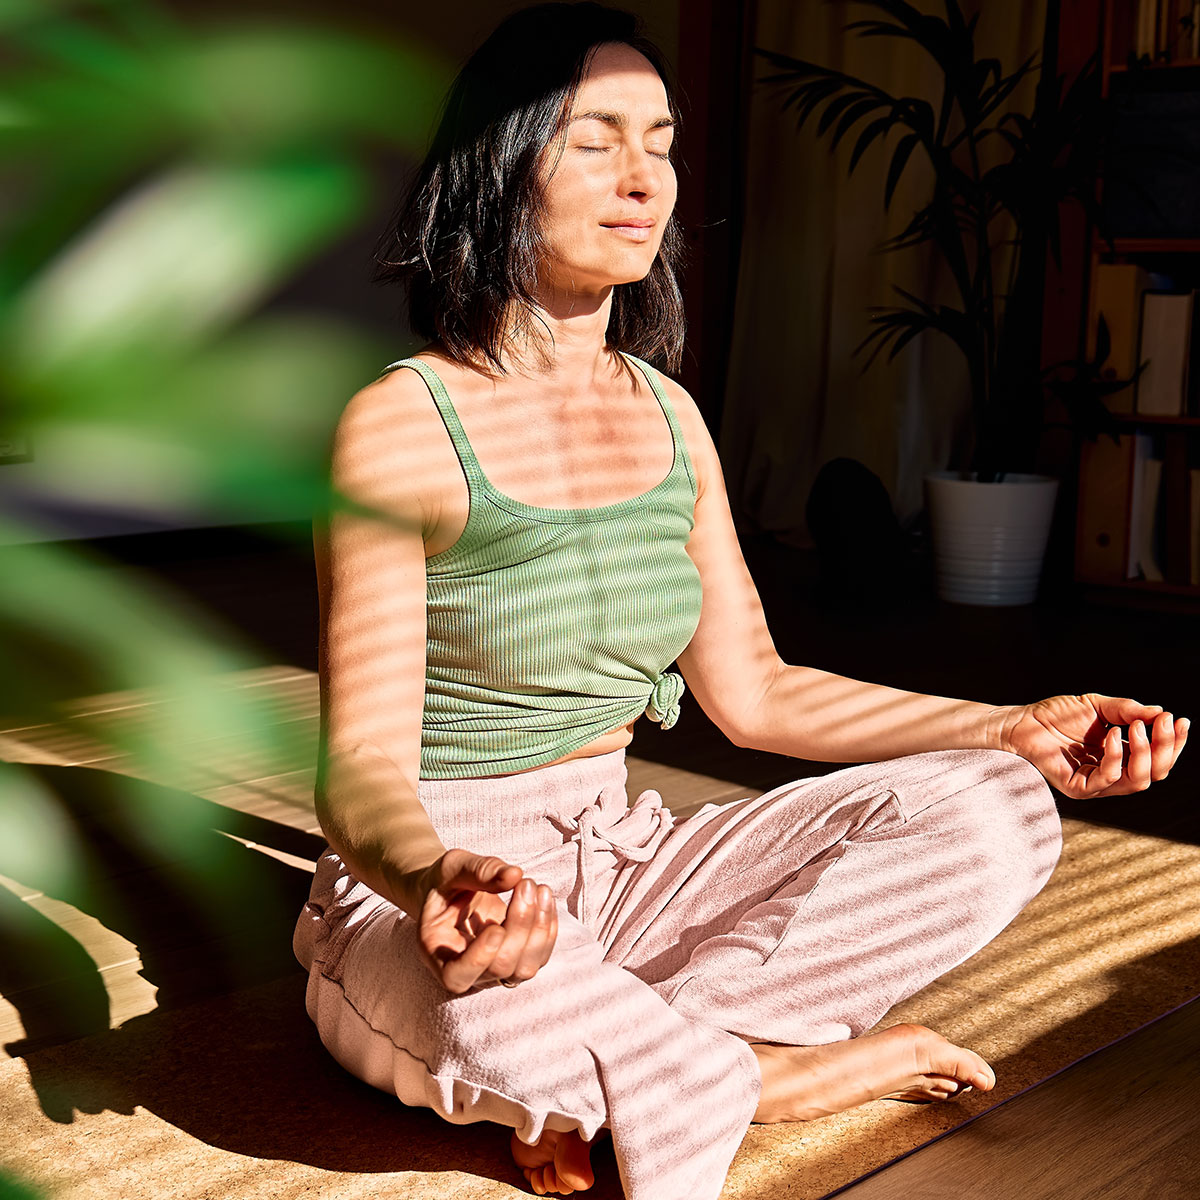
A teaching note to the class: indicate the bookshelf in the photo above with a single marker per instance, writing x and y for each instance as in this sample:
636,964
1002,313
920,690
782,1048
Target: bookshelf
1138,501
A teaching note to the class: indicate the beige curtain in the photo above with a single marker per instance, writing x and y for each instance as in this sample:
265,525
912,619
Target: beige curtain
796,396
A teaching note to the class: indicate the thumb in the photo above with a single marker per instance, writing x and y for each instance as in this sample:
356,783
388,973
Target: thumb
1120,710
478,873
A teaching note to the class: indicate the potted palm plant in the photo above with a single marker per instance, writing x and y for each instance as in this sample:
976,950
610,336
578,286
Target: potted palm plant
992,226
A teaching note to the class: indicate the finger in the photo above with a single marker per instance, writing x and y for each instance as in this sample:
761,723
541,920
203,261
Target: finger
553,910
1137,767
519,923
1181,734
428,952
482,873
1108,772
439,936
1162,746
536,952
464,971
1120,710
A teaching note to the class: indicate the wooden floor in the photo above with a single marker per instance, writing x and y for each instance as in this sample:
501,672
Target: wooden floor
1123,1124
135,915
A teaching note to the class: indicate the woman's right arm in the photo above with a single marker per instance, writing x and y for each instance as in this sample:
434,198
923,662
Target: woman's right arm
389,468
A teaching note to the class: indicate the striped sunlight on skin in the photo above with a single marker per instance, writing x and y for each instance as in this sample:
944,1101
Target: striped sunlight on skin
500,699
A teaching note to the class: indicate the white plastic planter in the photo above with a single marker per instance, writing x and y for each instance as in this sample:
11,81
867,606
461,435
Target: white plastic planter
989,539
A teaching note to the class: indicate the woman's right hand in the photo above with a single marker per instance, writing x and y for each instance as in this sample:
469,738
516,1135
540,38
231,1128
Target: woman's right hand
469,934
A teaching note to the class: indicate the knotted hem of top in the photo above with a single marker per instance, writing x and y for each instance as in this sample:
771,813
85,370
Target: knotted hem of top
663,705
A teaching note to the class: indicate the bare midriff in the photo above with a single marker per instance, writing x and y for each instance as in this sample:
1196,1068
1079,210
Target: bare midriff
615,739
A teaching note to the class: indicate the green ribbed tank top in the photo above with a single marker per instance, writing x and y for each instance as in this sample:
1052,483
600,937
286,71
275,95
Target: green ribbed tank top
547,628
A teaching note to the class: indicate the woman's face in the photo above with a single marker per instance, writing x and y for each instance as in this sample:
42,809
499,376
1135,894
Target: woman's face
613,188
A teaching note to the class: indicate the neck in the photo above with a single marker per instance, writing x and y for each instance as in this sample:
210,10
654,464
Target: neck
566,341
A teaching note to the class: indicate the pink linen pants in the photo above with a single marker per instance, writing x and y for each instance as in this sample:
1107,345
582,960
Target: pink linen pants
798,917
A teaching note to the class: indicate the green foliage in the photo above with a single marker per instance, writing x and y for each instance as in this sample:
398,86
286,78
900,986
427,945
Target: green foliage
976,213
163,183
12,1188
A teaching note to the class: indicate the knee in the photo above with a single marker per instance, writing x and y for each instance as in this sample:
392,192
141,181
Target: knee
1016,820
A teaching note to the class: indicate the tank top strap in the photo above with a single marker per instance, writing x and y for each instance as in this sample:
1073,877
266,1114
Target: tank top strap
681,452
458,435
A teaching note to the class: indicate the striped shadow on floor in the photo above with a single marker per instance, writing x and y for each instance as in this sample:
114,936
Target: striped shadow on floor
188,1057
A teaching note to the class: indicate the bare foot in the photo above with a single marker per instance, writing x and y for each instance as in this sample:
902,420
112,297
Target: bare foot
906,1062
556,1164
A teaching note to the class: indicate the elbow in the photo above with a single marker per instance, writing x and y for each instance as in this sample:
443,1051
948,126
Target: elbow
327,820
748,727
743,728
741,734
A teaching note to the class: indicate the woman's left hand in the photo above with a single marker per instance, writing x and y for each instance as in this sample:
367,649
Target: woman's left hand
1076,743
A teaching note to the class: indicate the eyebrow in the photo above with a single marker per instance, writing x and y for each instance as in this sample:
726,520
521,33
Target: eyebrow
619,120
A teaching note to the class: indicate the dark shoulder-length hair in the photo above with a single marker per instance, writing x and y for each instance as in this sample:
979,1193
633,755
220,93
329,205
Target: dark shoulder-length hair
466,241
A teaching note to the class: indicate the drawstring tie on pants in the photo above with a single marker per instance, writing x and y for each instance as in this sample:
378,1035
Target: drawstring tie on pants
643,823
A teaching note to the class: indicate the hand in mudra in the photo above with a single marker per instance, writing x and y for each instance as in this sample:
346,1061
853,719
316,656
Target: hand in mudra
469,933
1076,743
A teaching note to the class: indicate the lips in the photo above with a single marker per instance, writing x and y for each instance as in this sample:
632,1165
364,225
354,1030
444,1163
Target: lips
637,230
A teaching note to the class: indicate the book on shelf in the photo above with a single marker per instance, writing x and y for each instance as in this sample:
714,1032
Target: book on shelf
1146,524
1139,508
1166,30
1105,475
1117,296
1145,27
1164,345
1183,24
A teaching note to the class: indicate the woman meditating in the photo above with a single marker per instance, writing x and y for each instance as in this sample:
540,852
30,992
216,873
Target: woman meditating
533,528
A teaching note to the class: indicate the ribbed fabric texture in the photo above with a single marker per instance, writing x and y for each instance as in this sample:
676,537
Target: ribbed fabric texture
547,628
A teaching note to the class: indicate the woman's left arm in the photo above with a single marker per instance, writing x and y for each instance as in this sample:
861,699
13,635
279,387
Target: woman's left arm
758,701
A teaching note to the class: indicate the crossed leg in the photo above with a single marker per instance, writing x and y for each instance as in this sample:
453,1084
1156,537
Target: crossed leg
861,919
728,978
799,1083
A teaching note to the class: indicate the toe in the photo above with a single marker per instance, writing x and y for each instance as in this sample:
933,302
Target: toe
572,1162
524,1155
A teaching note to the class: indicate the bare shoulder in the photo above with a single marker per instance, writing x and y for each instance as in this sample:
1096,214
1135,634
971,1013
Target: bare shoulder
695,432
390,447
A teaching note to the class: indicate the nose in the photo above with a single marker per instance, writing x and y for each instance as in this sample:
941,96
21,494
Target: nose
643,174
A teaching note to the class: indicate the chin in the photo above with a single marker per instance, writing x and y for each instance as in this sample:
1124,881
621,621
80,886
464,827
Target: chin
595,279
634,273
627,279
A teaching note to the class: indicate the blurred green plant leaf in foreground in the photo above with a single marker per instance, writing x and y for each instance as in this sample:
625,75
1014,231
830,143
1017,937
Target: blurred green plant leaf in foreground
161,184
167,181
12,1188
171,264
162,388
